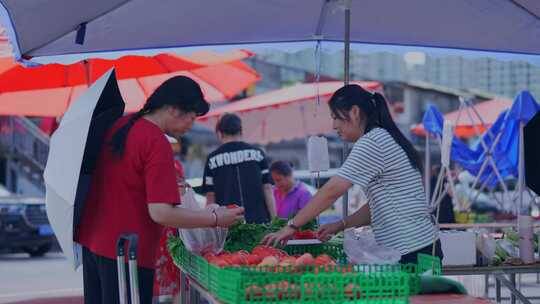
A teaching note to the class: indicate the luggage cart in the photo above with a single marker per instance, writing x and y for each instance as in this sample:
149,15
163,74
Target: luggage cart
131,241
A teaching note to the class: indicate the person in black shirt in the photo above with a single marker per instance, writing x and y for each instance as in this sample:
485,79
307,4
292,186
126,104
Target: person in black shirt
238,173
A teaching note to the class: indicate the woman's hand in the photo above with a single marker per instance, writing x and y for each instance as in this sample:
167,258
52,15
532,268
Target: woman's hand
228,216
326,231
279,238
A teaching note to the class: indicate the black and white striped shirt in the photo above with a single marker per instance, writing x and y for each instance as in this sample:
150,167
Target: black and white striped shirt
400,216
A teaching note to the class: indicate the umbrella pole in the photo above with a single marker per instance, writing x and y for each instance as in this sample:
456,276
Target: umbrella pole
347,51
521,168
346,75
427,169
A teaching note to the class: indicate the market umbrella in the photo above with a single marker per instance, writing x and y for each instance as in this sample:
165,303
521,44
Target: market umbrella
292,112
45,28
219,83
35,28
73,153
47,90
532,153
465,127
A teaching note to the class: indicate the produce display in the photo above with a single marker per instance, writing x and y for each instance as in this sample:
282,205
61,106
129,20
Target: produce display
507,249
302,273
268,256
243,236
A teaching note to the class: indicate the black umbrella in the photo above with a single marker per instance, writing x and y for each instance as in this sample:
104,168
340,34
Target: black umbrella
73,153
532,153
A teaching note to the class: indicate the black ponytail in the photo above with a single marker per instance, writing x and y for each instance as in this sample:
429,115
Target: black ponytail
378,115
119,138
385,121
180,92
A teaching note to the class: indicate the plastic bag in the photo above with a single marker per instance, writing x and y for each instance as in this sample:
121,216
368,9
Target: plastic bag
201,240
486,244
361,248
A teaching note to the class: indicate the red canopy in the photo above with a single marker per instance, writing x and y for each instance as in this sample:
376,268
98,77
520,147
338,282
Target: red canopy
15,77
288,113
465,127
48,90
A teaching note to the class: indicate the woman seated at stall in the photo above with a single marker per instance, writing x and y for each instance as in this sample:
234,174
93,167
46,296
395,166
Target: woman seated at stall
290,195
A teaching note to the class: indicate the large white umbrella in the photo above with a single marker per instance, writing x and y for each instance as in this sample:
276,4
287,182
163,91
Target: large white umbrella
73,152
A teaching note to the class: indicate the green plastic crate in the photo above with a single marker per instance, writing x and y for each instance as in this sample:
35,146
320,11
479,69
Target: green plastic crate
425,262
196,266
381,283
428,263
314,285
334,251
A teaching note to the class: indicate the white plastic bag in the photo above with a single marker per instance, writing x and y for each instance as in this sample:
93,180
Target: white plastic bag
361,248
486,244
201,240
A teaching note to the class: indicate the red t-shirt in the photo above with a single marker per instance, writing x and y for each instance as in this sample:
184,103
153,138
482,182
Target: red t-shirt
121,189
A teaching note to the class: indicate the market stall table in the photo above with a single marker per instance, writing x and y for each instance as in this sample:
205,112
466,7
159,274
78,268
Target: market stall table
500,273
196,292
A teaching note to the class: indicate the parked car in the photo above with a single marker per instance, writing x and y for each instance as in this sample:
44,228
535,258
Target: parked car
24,226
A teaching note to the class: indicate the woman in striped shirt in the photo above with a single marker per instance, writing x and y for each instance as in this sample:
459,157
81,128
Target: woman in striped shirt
387,167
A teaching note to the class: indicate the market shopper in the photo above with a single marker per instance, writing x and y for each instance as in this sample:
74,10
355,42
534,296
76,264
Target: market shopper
237,173
290,195
134,190
386,166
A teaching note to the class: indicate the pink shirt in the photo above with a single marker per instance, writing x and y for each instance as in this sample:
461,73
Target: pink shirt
287,205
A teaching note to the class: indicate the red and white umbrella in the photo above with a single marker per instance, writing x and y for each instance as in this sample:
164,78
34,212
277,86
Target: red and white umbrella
48,90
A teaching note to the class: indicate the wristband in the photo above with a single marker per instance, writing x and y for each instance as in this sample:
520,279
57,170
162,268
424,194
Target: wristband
344,223
291,224
214,213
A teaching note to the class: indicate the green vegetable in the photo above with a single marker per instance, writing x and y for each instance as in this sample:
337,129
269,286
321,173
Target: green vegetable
512,236
500,252
496,260
247,236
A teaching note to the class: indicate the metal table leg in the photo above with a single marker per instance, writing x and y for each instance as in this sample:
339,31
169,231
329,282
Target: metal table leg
511,286
183,289
497,290
513,281
194,296
486,286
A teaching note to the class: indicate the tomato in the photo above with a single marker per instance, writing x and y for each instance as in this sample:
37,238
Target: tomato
208,256
304,235
308,234
253,292
219,262
253,259
263,251
323,259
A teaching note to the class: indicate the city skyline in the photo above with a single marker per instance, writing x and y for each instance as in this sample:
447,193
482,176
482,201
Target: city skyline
497,76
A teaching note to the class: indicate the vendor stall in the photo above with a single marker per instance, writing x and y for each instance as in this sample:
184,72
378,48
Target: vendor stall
306,270
503,264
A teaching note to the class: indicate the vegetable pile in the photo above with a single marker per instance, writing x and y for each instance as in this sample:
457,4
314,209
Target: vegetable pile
243,236
267,256
507,249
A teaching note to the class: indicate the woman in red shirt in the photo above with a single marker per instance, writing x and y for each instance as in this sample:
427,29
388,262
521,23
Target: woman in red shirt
134,190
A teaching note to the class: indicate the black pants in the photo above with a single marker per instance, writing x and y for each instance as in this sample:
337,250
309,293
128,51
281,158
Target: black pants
412,257
100,277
